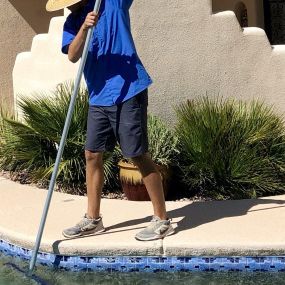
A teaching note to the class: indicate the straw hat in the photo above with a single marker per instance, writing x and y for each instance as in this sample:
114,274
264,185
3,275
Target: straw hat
54,5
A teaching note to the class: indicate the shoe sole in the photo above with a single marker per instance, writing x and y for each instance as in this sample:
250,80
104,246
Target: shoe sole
167,233
87,233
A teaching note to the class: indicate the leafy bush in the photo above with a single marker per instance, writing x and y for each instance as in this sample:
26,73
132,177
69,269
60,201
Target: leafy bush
231,149
163,142
32,145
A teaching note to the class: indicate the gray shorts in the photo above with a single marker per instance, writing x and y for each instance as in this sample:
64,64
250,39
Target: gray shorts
125,123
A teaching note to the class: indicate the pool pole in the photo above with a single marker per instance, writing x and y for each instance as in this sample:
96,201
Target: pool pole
63,140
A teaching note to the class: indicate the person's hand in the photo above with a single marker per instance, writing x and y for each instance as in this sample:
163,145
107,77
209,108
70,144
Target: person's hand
90,20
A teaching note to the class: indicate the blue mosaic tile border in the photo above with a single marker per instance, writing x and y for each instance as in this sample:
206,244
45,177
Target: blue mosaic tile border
149,263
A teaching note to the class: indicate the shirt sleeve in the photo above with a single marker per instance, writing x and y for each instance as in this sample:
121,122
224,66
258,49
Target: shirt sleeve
69,32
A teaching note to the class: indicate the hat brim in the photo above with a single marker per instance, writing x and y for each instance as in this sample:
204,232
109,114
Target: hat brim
53,5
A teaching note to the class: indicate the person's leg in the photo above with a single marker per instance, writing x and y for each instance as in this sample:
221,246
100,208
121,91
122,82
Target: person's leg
100,138
92,222
94,182
131,131
153,183
133,138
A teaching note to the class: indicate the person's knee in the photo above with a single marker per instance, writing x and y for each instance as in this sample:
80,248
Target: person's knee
144,163
139,158
94,157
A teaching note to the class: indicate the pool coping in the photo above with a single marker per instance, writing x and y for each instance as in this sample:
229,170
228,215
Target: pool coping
254,229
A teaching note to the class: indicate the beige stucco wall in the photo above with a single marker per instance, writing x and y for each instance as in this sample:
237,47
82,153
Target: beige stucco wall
20,21
43,67
254,10
187,50
190,52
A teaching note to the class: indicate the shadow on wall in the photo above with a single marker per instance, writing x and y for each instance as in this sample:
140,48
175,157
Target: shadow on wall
250,13
35,14
242,14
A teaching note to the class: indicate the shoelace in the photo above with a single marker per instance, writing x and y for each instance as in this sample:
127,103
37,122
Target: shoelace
153,222
84,222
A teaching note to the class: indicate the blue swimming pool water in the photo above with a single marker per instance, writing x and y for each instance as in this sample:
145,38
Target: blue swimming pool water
13,272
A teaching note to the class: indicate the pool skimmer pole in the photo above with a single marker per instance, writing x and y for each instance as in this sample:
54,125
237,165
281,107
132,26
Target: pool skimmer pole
63,139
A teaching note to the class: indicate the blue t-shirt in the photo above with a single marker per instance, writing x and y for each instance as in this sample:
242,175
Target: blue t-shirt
113,70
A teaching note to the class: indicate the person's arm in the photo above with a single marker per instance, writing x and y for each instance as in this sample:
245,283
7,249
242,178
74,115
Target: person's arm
75,49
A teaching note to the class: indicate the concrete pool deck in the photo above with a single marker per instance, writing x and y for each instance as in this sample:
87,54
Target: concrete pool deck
223,228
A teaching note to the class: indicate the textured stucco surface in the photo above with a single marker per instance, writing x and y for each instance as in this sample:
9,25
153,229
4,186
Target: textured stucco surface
188,51
20,21
45,66
12,41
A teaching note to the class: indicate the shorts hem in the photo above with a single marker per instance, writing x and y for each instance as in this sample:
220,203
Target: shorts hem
134,155
95,150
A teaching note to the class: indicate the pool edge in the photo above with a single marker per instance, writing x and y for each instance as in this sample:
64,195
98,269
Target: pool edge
148,263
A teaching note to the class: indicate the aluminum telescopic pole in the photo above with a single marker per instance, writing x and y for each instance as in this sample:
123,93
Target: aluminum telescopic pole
63,140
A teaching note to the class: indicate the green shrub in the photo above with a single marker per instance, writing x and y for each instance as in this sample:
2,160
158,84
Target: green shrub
31,145
163,142
231,149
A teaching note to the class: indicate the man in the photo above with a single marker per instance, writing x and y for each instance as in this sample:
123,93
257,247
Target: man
118,97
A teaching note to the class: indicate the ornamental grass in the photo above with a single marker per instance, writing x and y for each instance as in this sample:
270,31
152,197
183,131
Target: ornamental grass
231,149
31,144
